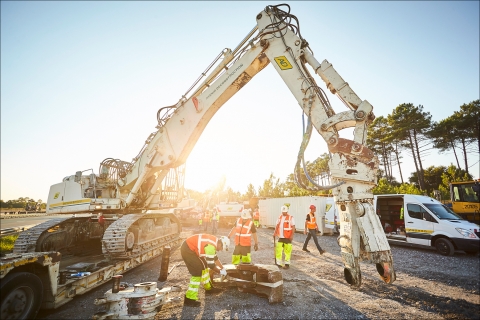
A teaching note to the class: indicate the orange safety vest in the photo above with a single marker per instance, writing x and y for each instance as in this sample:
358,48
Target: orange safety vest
243,233
197,243
287,226
256,216
207,217
312,224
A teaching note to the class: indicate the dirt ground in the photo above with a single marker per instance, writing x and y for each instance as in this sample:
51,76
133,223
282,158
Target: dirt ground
428,286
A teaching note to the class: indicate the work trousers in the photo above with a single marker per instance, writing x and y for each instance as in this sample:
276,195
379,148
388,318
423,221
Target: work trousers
214,226
312,233
283,247
199,271
241,253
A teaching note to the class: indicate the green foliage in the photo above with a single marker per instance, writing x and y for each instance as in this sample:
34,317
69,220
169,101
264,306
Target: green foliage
383,187
272,188
20,203
6,243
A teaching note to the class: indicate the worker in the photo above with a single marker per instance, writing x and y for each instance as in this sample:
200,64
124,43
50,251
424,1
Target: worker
200,221
256,218
199,252
206,220
101,219
311,227
284,230
244,230
215,219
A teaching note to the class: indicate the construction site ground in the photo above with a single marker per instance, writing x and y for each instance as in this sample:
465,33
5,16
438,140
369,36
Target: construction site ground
428,286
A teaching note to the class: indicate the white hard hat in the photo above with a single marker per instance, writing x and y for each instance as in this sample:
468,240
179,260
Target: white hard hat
245,214
284,209
225,242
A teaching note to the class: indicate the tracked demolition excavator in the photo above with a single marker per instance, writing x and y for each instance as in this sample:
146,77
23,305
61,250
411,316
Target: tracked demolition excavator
128,208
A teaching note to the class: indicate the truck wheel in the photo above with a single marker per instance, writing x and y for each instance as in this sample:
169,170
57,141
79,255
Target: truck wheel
21,296
444,247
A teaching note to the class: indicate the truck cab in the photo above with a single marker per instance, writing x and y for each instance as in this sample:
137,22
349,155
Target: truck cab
425,222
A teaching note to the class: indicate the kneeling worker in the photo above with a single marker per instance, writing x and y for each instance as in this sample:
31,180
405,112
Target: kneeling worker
200,255
243,230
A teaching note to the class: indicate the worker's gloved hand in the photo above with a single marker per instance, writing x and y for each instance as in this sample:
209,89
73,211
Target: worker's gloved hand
223,272
255,247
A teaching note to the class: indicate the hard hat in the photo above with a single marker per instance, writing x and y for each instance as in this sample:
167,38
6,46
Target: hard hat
225,242
245,214
313,207
284,209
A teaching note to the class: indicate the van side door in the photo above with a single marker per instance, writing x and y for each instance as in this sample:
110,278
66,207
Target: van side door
418,225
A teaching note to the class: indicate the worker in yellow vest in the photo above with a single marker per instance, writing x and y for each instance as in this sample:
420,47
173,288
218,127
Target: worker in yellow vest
284,230
244,230
311,227
215,219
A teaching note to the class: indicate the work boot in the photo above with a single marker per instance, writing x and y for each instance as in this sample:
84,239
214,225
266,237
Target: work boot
306,250
213,291
322,251
279,265
287,266
191,303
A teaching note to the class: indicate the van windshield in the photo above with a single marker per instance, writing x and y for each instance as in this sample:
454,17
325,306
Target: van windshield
442,212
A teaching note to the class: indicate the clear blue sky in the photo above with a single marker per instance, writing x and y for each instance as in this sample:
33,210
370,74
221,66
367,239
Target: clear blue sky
82,81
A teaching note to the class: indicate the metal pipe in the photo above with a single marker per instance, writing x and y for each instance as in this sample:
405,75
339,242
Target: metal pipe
164,266
249,35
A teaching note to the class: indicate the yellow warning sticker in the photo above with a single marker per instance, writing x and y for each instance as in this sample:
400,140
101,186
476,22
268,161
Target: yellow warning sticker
327,207
283,63
56,195
418,231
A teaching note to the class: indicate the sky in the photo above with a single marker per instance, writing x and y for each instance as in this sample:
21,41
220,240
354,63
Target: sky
82,81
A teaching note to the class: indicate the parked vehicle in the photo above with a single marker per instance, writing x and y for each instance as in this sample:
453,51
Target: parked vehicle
426,222
229,213
298,208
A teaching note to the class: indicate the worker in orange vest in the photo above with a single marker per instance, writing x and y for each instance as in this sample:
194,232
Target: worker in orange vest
284,230
199,252
311,227
244,230
256,218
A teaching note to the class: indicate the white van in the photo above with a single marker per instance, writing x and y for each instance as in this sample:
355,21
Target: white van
426,222
332,218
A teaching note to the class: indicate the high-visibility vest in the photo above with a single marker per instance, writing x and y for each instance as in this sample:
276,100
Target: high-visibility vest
243,233
207,217
197,243
256,216
287,226
312,224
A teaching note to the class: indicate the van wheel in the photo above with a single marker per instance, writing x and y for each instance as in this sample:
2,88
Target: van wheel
444,247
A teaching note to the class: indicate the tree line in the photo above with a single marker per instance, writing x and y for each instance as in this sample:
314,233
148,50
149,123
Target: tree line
21,203
408,130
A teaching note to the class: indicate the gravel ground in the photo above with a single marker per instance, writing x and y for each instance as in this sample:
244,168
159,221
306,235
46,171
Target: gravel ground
428,286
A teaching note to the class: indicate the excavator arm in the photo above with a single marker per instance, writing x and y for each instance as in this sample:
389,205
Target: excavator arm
277,40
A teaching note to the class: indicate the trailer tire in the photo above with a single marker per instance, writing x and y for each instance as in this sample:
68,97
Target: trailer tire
444,247
21,296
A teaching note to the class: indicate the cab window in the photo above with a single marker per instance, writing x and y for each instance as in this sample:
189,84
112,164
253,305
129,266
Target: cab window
414,211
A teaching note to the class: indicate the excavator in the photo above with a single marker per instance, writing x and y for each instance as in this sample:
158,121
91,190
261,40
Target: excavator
138,198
